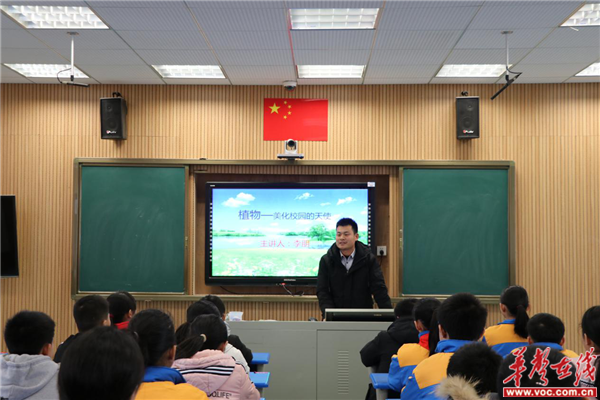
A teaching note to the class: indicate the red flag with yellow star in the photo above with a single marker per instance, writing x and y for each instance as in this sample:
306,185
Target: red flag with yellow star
298,119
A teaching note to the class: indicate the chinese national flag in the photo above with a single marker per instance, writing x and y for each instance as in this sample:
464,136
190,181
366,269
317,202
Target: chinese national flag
298,119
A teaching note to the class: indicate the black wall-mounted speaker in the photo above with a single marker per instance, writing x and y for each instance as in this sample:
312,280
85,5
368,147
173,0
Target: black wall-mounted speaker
467,117
113,113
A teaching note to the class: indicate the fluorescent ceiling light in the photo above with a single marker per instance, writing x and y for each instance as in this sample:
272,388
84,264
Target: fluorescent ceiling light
54,17
471,71
333,18
592,70
45,70
331,71
190,71
587,15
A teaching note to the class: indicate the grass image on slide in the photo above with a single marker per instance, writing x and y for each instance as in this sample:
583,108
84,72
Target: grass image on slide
266,262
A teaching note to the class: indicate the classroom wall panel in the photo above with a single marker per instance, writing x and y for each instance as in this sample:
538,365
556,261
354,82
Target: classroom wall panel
551,132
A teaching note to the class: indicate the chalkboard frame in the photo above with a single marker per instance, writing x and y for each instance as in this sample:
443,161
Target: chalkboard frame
78,164
509,166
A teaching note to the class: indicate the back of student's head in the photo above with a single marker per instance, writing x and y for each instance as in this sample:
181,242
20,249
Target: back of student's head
516,300
477,363
206,332
155,334
462,316
216,300
425,313
119,305
104,363
90,312
547,328
529,380
590,326
202,307
27,332
405,308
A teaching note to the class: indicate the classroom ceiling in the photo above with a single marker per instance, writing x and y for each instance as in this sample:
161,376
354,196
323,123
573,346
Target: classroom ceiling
253,44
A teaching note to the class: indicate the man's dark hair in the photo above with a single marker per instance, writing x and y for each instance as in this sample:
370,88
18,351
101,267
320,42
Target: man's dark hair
155,334
462,316
104,364
554,357
202,307
476,362
27,332
216,300
90,312
405,308
547,328
119,304
346,222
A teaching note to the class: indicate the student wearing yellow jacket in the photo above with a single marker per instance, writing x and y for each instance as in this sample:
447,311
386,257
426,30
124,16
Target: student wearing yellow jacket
411,354
461,320
511,333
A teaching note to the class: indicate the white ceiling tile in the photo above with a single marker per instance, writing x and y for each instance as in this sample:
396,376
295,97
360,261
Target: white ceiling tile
562,55
549,70
6,72
477,56
417,39
584,79
178,57
397,81
228,4
148,18
413,19
55,81
261,74
523,14
334,3
332,39
241,19
164,40
31,56
87,39
137,4
526,80
173,81
401,71
103,72
466,81
131,81
248,40
565,37
408,57
331,57
70,3
326,81
15,80
104,57
254,57
20,39
493,39
433,4
8,23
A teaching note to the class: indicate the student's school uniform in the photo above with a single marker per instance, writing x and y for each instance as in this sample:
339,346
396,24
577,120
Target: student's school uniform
425,378
163,383
555,346
122,325
404,362
502,338
60,350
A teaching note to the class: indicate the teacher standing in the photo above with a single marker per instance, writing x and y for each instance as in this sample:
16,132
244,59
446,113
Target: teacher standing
349,274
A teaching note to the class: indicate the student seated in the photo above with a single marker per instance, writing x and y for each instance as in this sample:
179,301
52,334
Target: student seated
512,332
411,354
527,379
155,335
547,330
472,373
233,340
461,320
205,307
201,361
89,312
28,372
104,363
121,307
590,327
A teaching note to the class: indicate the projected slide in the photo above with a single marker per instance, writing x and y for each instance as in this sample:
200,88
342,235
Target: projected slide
280,232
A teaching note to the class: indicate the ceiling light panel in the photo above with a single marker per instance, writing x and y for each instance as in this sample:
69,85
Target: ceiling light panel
471,71
54,17
45,70
587,15
331,71
190,71
333,18
592,70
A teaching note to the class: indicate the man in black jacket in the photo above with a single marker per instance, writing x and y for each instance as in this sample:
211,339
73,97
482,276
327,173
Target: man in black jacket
349,274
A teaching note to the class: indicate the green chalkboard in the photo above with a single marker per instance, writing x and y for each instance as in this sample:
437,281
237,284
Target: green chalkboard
132,229
456,231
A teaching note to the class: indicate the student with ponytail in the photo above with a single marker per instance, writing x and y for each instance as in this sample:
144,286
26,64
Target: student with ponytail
201,360
155,334
512,332
411,354
590,327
